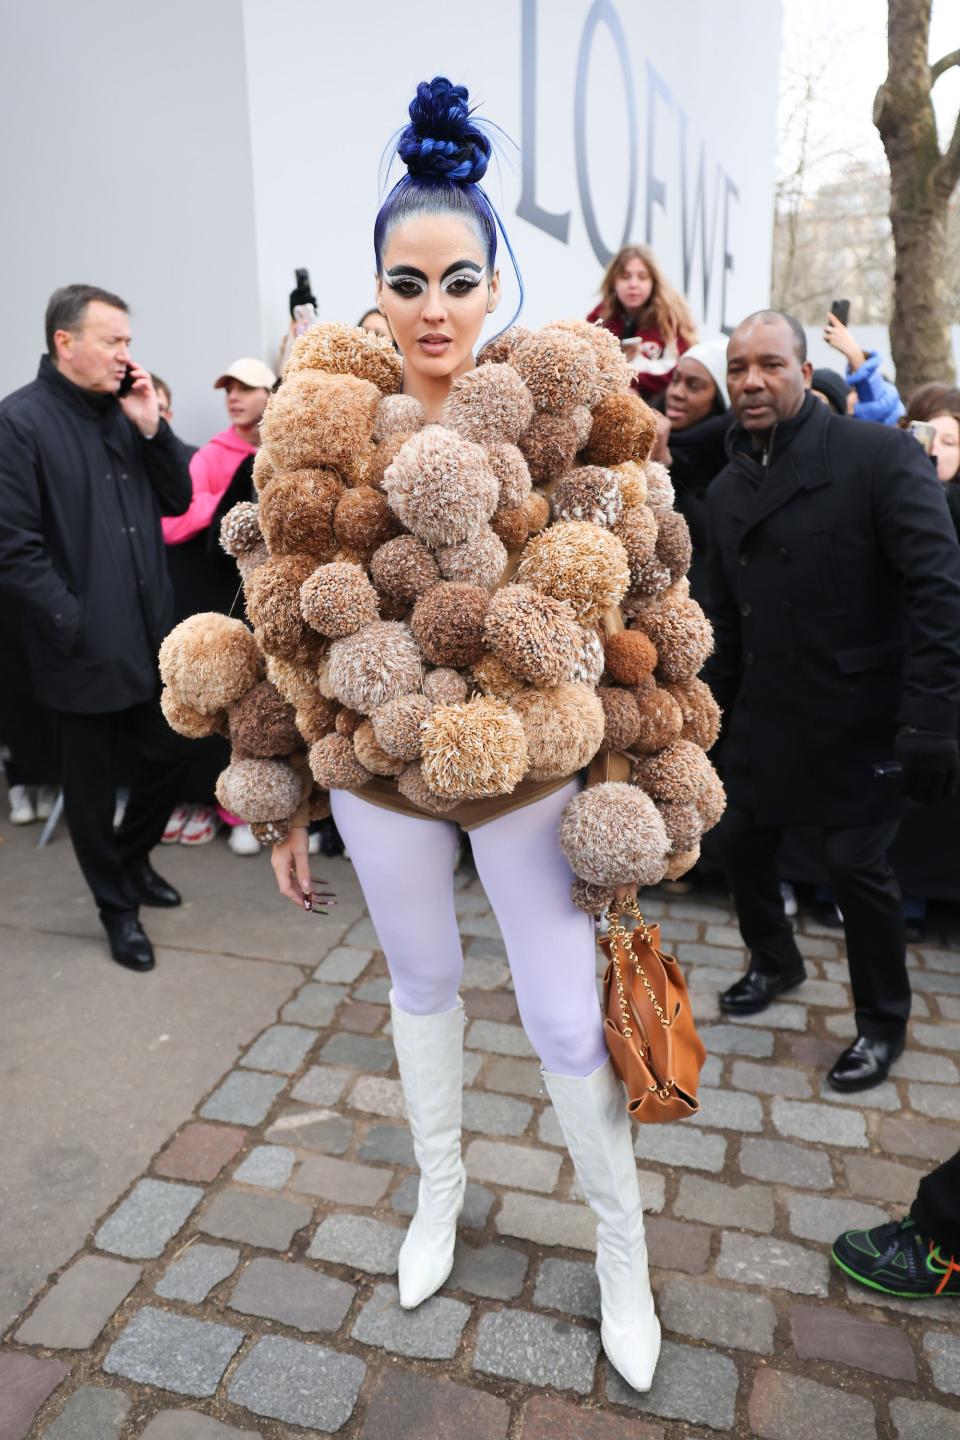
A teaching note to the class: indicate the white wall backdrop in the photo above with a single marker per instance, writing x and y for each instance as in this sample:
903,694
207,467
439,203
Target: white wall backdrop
191,155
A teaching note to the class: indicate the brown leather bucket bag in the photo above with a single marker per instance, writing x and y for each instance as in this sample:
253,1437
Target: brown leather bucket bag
648,1023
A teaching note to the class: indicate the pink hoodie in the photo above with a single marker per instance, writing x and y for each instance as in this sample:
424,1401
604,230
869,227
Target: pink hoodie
211,470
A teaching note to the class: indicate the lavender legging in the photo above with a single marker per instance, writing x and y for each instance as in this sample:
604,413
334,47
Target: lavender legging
405,868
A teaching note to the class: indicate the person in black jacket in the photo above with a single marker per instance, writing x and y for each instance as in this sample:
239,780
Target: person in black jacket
834,590
698,408
84,479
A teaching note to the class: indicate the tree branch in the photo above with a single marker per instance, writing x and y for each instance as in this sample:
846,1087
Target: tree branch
945,63
947,173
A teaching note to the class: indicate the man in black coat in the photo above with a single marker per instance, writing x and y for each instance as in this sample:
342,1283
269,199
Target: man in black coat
834,589
84,479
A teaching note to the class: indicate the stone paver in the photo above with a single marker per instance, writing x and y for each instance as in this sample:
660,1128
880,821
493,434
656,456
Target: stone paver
363,1018
282,1048
520,1165
690,1384
776,1264
936,1101
732,1318
267,1221
431,1332
728,1110
493,1271
322,1085
193,1275
789,1164
518,1345
293,1294
938,1037
269,1167
692,1149
822,1333
358,1241
570,1286
341,1181
314,1005
343,964
297,1383
200,1152
388,1144
379,1097
151,1215
362,1052
71,1315
173,1352
730,1039
91,1413
919,1420
788,1407
312,1129
820,1123
244,1098
882,1179
915,1065
514,1077
495,1114
191,1425
920,1139
25,1383
747,1207
814,1217
943,1357
783,1080
547,1419
415,1407
881,1097
547,1222
498,1038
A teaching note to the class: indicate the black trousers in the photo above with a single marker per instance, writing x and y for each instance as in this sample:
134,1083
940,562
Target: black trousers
89,747
866,891
936,1209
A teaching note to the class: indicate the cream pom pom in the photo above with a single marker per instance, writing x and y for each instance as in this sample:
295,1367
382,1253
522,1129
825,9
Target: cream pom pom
440,486
490,404
187,721
444,686
580,563
208,661
259,790
701,713
338,600
479,560
513,475
240,529
677,775
660,494
413,787
563,726
612,834
397,415
590,492
474,749
377,664
682,635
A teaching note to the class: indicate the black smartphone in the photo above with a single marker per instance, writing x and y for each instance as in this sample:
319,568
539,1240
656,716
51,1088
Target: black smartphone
126,384
302,295
841,308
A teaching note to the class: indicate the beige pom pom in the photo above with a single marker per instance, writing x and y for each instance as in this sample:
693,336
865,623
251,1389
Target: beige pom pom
624,428
336,349
612,834
682,636
440,486
397,415
536,507
396,725
296,513
444,686
633,483
534,635
315,717
377,664
317,420
194,724
479,560
334,764
240,529
679,865
675,776
513,475
208,661
563,726
579,563
560,370
338,600
404,569
661,722
701,713
296,683
489,404
475,749
273,605
550,444
264,469
660,495
259,790
371,755
447,623
493,678
413,787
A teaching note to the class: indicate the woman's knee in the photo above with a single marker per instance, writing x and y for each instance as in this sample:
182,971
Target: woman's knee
566,1044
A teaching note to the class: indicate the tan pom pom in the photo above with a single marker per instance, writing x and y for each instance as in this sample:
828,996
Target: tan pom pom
633,483
675,776
323,679
240,529
712,801
319,807
661,722
563,726
683,825
445,686
338,599
347,722
701,713
498,350
371,755
613,372
559,370
315,717
474,749
262,723
511,528
413,787
624,428
187,721
316,420
682,636
534,635
679,865
377,664
637,530
536,507
629,657
448,623
493,678
674,546
404,569
660,494
296,683
383,455
259,790
273,605
591,493
334,764
513,475
621,719
582,418
479,560
296,513
208,661
363,520
549,445
580,563
336,349
250,560
396,725
440,486
612,834
397,415
490,405
264,469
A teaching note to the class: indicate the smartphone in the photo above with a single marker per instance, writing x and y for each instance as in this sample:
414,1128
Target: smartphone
924,432
841,308
126,384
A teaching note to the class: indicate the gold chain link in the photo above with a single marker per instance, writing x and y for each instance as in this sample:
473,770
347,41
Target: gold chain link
618,931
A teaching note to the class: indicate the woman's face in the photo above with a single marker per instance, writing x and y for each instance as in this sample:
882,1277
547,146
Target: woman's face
634,285
690,394
245,403
435,293
946,448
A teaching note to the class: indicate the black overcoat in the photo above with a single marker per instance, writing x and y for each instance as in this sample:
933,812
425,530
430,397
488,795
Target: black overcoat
834,589
81,550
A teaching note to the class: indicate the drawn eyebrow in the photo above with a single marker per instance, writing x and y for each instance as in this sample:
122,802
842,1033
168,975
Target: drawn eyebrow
397,270
461,265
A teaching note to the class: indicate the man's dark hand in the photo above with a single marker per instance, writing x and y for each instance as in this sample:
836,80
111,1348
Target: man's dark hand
931,764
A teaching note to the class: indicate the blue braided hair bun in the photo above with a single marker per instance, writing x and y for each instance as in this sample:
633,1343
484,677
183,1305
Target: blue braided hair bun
442,142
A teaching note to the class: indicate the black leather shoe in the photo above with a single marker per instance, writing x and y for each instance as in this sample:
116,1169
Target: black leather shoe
754,991
129,943
151,888
864,1064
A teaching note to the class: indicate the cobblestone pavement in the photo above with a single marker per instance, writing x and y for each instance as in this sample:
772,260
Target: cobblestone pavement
245,1285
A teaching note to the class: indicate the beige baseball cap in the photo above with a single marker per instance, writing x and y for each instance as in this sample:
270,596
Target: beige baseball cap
249,372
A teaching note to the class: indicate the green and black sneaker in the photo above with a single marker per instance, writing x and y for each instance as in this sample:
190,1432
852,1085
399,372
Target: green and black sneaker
896,1259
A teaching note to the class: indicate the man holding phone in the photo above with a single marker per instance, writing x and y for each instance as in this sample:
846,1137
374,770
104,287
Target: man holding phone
87,467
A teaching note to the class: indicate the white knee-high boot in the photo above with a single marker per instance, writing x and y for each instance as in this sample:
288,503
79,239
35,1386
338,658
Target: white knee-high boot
597,1130
430,1054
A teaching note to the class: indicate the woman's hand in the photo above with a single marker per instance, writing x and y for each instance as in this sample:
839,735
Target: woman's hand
836,334
291,866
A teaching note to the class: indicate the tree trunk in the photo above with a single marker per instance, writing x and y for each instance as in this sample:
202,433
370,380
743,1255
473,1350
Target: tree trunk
922,181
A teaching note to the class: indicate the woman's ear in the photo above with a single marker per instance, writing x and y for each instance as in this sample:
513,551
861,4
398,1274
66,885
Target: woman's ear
378,291
493,298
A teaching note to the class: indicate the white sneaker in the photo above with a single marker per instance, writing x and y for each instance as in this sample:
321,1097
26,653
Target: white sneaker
21,806
176,824
789,897
313,844
243,841
201,827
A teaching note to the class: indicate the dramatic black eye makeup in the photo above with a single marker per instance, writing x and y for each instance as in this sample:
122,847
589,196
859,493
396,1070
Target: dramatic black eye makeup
458,279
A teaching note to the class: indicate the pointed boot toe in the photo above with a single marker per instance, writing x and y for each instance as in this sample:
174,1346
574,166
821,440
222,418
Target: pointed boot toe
426,1255
632,1354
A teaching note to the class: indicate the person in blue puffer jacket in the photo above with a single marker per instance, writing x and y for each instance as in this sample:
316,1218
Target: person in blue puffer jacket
877,397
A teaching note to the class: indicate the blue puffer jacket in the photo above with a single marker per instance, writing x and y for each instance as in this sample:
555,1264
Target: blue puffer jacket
877,398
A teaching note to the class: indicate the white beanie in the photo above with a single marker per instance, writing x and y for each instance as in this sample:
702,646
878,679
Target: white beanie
712,355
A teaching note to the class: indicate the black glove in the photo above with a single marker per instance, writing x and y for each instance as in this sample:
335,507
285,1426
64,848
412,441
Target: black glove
931,764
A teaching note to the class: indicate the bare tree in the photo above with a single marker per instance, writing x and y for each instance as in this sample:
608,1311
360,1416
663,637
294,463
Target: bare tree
922,181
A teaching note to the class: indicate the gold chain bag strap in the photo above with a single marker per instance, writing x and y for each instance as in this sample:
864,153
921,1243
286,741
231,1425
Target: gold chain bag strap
648,1022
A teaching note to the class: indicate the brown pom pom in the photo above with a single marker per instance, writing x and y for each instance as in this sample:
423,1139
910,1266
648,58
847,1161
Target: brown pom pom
404,569
633,483
660,495
273,605
479,560
679,865
296,513
208,661
474,749
534,635
612,834
536,507
347,722
397,415
264,469
613,372
296,683
624,428
336,349
315,717
413,787
661,722
637,529
682,636
448,623
320,805
259,790
493,678
383,455
445,687
338,599
262,723
712,801
683,825
701,713
334,764
187,721
559,370
250,560
371,756
396,725
441,486
377,664
316,420
592,899
498,350
550,445
621,719
270,832
578,562
511,528
490,404
674,547
240,529
363,520
513,475
629,657
675,776
591,493
563,726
